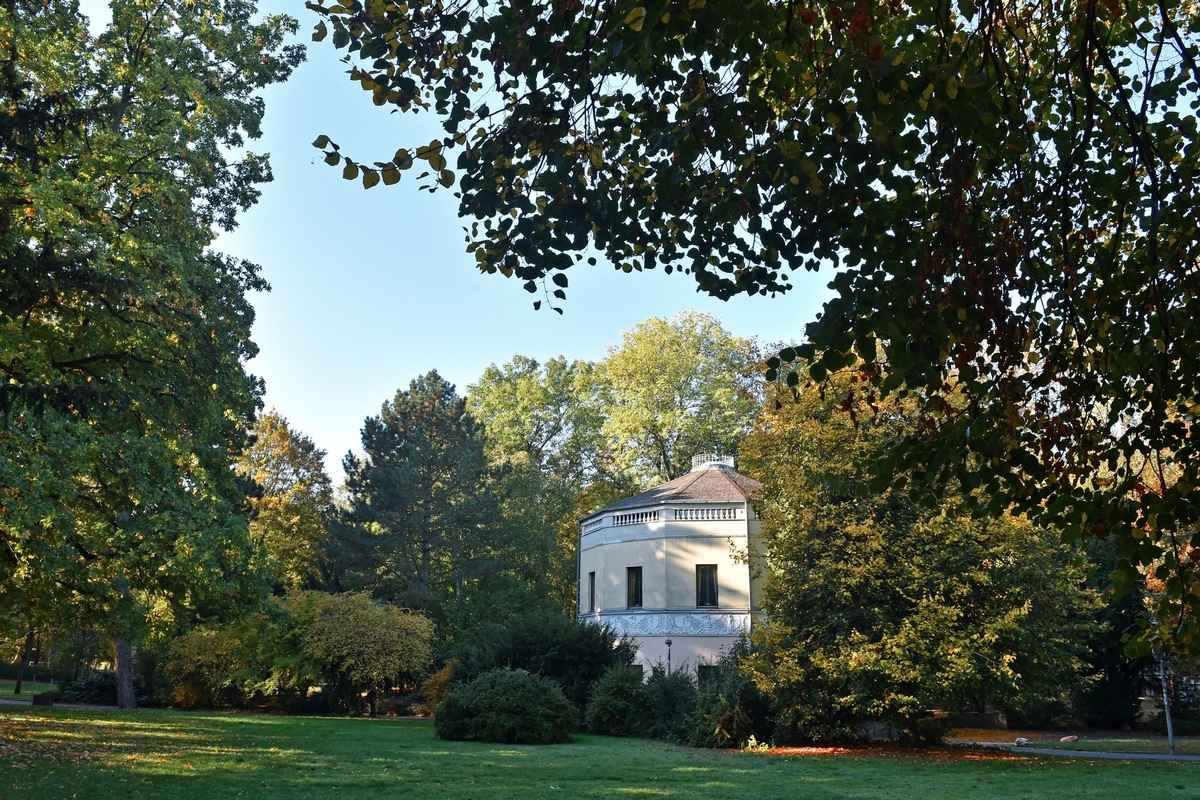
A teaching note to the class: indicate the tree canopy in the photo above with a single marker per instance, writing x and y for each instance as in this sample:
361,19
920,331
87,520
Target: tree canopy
875,608
123,396
291,500
1005,195
418,505
672,389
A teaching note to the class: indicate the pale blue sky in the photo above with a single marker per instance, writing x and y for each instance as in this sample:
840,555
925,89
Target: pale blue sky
372,288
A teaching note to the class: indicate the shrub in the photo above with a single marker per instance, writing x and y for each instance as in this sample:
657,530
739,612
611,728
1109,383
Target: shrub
572,654
618,704
98,688
672,700
932,730
359,644
199,668
730,709
1181,725
435,688
509,706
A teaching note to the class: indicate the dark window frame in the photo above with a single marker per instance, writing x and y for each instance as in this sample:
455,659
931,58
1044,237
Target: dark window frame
633,587
591,591
706,586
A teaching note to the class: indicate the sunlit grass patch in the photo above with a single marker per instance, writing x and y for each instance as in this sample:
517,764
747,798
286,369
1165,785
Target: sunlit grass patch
101,753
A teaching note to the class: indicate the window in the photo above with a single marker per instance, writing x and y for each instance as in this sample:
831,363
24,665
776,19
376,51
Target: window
633,587
706,585
591,591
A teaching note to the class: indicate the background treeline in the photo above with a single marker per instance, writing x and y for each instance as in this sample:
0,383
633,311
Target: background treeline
449,553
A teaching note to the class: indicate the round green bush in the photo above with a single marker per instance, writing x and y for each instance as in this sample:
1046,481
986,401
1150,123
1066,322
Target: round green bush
618,705
509,706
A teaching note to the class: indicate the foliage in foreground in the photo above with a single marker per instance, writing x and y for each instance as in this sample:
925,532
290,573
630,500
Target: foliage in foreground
1008,192
672,699
509,706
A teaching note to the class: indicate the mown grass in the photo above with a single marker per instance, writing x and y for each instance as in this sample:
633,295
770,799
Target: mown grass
28,689
1101,742
72,753
1146,743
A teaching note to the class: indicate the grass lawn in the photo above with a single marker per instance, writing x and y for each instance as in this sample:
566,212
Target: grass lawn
72,753
1131,743
1098,742
28,689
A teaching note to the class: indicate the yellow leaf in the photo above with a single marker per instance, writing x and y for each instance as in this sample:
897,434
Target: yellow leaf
350,171
370,178
391,176
636,18
952,87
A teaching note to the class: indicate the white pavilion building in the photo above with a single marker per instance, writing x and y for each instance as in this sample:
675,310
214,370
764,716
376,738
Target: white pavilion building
676,567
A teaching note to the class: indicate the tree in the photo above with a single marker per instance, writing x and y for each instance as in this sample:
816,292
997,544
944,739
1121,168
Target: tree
294,498
675,388
566,438
122,335
876,608
544,446
1006,193
418,499
359,645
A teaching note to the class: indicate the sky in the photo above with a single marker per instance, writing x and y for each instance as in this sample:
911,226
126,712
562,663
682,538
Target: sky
372,288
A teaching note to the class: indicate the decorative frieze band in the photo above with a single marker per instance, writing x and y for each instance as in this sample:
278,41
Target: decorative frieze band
728,623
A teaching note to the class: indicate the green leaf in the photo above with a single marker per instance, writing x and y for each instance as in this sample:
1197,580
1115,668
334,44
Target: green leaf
370,178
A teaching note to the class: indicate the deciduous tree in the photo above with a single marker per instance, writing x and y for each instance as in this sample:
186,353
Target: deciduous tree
122,335
675,388
1005,193
294,498
545,448
875,608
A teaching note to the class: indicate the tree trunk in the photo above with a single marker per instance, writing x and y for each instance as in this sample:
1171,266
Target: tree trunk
125,695
26,654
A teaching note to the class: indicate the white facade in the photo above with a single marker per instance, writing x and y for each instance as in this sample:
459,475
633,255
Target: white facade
674,536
